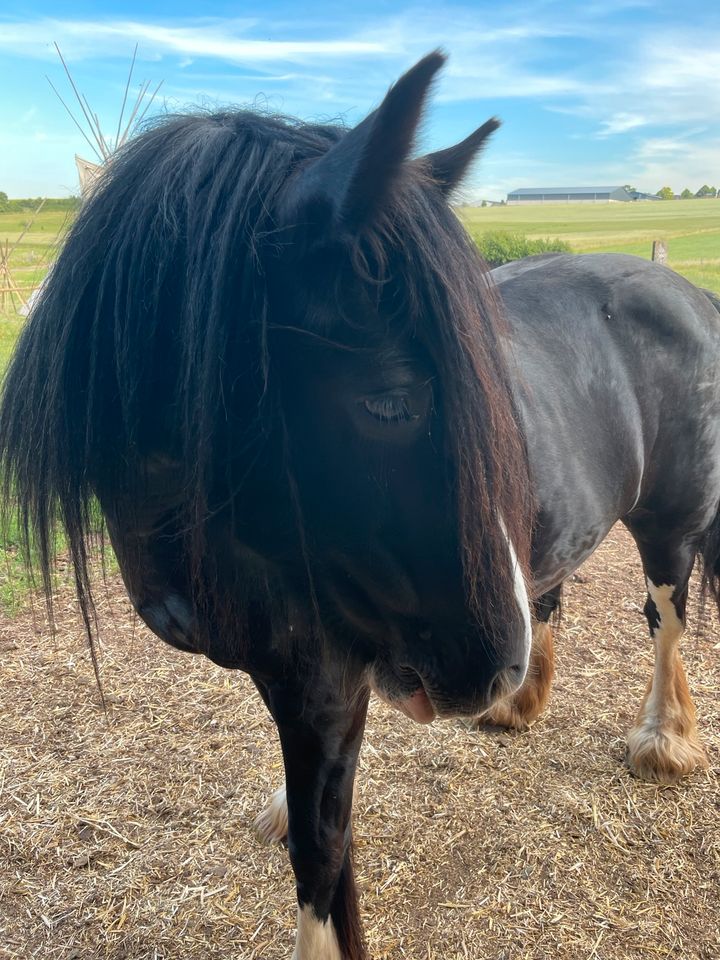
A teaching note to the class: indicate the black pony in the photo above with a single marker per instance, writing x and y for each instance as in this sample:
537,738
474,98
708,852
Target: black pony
320,442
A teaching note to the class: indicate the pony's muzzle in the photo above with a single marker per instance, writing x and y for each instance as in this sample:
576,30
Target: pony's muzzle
429,701
479,697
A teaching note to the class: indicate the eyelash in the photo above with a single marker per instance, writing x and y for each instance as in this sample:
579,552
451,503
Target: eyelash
390,408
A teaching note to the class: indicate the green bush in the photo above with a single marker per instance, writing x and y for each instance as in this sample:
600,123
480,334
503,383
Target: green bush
498,247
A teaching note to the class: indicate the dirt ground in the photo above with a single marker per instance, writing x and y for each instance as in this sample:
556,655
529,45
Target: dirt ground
128,836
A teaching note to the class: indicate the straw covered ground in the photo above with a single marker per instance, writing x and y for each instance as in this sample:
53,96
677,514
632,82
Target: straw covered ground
129,836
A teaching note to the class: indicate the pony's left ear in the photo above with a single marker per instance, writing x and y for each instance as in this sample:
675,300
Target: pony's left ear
351,183
448,167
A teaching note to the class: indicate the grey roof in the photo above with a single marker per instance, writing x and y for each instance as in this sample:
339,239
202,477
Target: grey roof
548,191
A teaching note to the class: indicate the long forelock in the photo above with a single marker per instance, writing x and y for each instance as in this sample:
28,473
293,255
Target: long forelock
159,290
447,303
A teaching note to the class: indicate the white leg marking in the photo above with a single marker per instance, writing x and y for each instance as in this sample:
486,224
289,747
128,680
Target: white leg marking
315,940
521,596
663,744
271,825
666,637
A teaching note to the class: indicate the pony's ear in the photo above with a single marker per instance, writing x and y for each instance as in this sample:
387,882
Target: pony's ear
448,167
350,184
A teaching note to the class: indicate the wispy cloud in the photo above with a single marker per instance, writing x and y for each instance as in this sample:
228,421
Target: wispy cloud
673,80
621,123
504,53
221,40
677,163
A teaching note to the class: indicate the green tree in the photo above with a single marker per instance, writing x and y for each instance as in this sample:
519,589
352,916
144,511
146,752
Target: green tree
687,194
3,201
666,193
706,191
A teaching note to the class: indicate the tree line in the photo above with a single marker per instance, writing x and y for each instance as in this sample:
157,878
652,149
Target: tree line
30,203
667,193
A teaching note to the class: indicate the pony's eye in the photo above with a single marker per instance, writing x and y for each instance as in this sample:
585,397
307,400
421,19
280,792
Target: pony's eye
390,408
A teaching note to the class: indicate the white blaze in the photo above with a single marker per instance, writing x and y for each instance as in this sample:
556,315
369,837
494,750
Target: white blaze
521,596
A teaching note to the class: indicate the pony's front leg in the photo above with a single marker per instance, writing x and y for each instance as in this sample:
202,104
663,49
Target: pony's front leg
321,727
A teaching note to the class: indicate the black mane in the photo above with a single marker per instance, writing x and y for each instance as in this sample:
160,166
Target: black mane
151,338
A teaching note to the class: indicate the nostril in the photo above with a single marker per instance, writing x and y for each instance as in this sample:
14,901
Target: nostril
497,687
408,675
506,681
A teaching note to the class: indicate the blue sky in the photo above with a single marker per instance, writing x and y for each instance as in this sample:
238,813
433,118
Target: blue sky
594,93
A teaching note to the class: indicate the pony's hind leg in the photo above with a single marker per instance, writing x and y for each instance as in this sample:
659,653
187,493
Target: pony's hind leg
663,744
519,710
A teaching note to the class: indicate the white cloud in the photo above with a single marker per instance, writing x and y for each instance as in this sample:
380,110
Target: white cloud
674,80
225,40
682,162
621,123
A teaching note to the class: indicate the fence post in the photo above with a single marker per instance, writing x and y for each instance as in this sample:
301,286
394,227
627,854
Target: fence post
659,251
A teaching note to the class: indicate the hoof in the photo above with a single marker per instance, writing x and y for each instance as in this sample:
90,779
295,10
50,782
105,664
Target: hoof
663,755
271,826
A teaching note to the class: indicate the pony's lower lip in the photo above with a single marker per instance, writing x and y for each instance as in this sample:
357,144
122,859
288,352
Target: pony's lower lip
418,707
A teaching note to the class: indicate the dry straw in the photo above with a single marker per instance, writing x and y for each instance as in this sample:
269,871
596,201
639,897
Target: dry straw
130,836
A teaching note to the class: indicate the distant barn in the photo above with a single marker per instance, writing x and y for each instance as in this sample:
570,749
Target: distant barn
571,195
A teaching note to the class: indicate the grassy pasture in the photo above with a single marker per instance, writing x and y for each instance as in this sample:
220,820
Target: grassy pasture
29,260
691,229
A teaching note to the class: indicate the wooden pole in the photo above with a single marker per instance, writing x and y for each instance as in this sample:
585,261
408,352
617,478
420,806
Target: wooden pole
659,251
4,273
9,289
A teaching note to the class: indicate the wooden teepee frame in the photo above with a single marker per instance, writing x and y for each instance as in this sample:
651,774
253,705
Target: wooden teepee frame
9,290
10,293
102,146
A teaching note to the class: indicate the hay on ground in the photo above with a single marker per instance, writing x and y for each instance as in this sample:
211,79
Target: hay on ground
130,836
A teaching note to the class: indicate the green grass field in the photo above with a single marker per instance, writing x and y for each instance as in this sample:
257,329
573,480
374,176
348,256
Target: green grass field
29,261
691,229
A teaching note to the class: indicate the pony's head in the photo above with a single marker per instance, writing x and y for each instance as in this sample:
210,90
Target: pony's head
271,351
407,471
